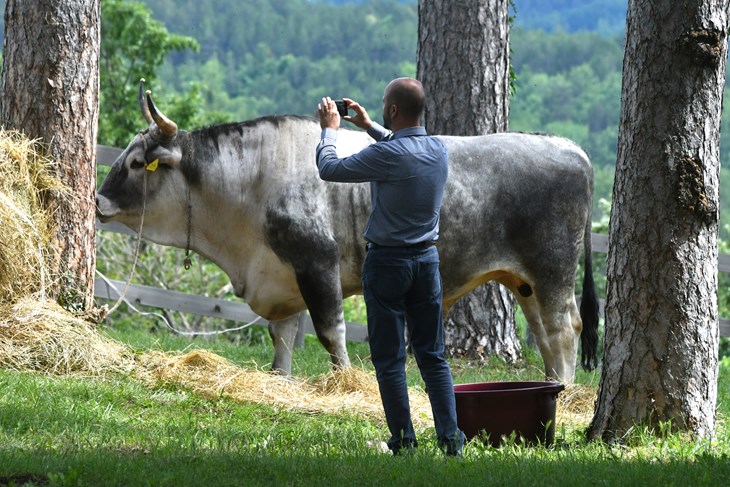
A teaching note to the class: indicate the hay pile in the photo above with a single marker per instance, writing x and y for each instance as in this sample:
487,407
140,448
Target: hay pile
40,335
36,333
25,229
350,390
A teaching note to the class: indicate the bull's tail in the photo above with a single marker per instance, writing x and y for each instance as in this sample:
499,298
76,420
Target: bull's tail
589,308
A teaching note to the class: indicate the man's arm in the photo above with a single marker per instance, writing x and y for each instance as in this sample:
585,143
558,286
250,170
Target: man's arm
378,132
370,164
367,165
327,142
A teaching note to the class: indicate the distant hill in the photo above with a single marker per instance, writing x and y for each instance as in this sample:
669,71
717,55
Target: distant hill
607,17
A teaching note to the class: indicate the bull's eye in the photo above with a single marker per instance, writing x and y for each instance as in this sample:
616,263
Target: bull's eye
136,164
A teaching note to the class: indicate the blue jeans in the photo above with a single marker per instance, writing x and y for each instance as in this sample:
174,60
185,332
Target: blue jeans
402,287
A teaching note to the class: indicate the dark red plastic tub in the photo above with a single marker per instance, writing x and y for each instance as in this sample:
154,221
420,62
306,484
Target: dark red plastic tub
495,410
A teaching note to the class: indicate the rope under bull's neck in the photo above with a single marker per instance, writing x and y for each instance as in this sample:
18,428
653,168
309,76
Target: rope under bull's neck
187,262
137,246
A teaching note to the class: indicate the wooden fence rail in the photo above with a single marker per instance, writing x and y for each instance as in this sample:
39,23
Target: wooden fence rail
241,312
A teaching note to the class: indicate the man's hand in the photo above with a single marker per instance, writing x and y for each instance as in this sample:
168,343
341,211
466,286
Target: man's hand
328,115
361,117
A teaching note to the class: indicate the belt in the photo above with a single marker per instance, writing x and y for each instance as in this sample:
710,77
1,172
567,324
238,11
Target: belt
419,245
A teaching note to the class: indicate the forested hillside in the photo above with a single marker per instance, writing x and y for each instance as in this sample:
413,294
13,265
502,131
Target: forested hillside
262,57
603,16
607,17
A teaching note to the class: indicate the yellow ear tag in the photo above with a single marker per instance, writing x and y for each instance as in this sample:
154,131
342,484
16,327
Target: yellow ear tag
152,166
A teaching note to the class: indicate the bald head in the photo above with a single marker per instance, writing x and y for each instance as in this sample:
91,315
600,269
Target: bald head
408,95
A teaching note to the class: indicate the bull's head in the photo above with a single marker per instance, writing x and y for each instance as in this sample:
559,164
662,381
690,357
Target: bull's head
146,173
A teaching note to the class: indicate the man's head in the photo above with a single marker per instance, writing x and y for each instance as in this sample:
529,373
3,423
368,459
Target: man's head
403,103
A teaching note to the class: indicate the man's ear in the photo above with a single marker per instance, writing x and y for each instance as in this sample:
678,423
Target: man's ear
393,110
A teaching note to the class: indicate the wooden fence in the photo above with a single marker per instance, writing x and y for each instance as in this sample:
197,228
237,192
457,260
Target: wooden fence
239,311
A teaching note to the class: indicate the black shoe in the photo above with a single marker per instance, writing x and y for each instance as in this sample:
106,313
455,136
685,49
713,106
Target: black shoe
403,447
452,448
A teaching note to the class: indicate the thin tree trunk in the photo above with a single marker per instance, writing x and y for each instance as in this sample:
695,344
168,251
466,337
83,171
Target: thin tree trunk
463,63
661,332
51,91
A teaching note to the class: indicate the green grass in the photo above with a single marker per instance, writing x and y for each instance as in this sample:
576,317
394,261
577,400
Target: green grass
70,431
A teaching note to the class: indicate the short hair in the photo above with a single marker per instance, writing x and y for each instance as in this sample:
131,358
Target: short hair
408,95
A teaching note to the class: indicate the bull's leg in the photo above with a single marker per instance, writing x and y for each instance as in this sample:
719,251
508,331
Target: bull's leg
562,333
320,288
334,340
532,314
315,257
556,328
283,333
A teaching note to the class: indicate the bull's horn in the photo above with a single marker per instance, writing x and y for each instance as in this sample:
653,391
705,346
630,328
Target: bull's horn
143,102
168,128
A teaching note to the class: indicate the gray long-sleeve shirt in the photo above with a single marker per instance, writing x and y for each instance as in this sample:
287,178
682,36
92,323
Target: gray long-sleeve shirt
407,171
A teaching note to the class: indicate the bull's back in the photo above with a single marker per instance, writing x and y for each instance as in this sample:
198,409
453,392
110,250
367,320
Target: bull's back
513,202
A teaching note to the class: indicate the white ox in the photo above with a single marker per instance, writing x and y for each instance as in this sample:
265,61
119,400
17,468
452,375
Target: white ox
517,209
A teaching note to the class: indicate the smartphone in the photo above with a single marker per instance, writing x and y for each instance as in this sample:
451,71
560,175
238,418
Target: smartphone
341,107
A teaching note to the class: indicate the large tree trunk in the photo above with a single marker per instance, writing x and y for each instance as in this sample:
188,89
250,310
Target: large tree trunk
661,332
463,63
51,91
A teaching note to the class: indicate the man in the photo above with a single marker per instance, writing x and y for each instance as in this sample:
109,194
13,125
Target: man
407,172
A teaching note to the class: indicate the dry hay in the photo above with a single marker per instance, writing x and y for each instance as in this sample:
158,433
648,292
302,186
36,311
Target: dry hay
48,339
25,229
36,333
350,390
40,335
575,405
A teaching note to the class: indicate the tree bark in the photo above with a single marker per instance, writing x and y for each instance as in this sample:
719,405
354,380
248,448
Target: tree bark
50,91
463,63
661,332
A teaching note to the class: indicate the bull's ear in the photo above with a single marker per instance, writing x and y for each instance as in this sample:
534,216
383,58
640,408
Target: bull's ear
166,157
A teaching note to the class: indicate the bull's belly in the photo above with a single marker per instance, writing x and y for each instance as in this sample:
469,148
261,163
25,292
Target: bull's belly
275,301
509,278
268,286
